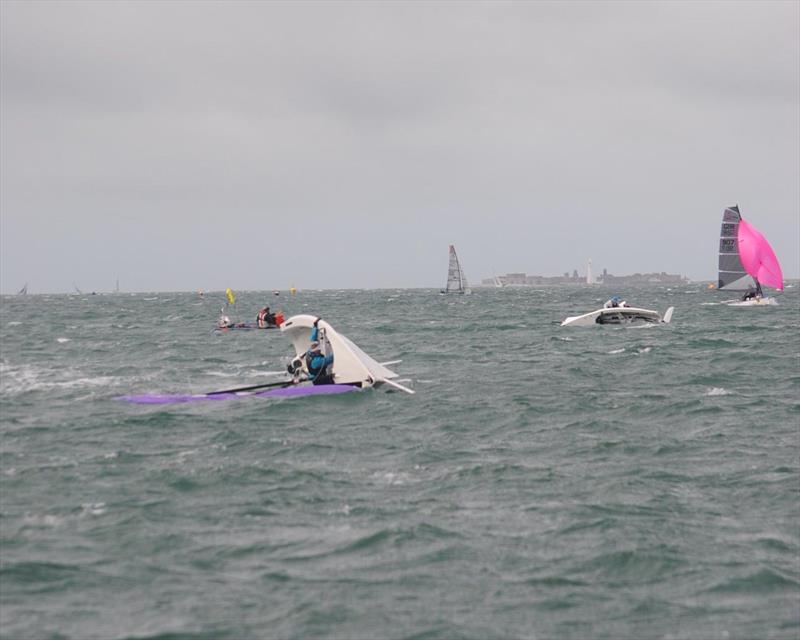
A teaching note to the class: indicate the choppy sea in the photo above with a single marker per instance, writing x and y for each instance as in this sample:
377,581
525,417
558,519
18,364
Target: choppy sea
544,482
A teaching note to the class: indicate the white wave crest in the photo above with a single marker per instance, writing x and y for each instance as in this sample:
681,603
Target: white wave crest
717,391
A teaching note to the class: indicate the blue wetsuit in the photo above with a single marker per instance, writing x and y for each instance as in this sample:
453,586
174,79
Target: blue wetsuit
316,363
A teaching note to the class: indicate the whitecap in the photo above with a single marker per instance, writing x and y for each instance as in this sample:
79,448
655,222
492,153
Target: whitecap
644,350
62,340
717,391
616,351
221,374
47,520
93,508
14,323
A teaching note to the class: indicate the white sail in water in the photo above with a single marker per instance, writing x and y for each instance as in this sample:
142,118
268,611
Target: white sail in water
456,280
732,275
589,275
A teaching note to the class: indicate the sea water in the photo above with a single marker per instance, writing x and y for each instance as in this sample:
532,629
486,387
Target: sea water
543,482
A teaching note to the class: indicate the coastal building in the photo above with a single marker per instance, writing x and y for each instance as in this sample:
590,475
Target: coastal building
524,280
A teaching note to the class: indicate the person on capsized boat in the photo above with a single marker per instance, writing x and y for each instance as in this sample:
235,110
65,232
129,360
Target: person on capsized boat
317,363
224,321
265,319
613,302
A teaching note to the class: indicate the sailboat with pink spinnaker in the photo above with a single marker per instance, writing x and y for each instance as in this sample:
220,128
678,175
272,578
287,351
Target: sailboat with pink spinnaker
746,261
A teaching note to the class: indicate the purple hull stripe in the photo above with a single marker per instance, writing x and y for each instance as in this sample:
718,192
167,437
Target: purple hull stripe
288,392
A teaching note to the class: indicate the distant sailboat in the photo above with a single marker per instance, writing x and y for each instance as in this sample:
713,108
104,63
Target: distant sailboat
746,261
76,289
456,280
116,290
589,276
23,291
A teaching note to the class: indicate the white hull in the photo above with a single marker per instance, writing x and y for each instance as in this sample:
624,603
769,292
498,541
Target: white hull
618,315
753,303
350,364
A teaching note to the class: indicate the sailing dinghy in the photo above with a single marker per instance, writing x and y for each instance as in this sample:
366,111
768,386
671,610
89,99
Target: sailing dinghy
619,315
456,280
351,366
352,370
746,261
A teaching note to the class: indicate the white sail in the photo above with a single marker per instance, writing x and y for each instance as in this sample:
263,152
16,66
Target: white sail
23,291
589,276
350,364
456,280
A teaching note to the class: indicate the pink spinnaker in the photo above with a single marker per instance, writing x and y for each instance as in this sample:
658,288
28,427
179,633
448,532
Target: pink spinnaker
757,257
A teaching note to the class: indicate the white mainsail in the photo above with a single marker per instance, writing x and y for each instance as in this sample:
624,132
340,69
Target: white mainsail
456,280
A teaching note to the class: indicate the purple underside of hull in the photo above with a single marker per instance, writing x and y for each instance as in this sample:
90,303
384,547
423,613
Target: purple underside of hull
243,327
287,392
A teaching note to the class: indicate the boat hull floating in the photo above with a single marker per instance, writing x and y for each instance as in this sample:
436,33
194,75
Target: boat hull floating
755,302
619,316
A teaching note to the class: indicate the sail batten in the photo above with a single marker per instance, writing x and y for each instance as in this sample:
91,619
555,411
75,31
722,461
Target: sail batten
732,275
456,280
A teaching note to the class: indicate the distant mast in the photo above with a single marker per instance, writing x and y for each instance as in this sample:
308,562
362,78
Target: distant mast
589,277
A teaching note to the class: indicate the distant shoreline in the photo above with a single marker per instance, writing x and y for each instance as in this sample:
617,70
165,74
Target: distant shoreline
211,294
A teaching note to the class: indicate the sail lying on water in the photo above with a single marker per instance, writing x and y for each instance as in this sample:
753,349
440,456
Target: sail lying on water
745,257
456,280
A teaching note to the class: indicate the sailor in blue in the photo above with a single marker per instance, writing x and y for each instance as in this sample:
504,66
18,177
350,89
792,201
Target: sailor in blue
318,364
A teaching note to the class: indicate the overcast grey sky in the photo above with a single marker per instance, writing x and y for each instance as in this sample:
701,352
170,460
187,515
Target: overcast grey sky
254,145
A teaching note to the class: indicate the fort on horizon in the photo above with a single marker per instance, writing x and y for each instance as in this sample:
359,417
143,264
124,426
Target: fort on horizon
524,280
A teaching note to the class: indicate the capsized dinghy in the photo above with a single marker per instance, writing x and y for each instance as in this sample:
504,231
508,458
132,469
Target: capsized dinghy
351,366
352,370
243,326
619,315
